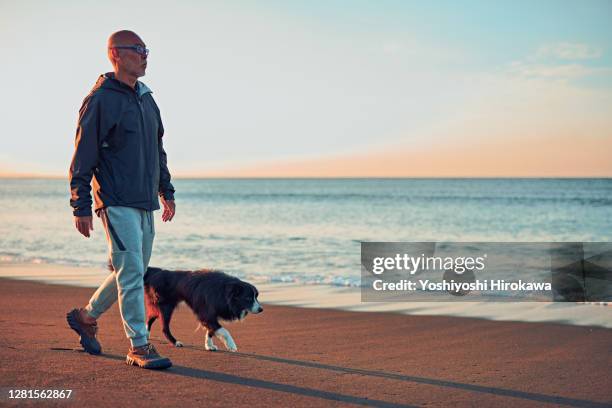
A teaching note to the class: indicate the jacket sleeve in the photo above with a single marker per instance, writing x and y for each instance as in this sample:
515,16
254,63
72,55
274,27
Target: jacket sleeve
166,189
85,158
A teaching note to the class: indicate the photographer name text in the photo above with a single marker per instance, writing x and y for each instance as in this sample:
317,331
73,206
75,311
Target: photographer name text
453,286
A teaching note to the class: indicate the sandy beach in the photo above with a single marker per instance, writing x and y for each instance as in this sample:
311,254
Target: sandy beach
305,357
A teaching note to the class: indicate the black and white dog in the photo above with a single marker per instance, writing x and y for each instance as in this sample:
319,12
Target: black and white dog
212,295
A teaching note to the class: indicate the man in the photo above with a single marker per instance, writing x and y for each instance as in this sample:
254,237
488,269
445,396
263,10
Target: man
119,144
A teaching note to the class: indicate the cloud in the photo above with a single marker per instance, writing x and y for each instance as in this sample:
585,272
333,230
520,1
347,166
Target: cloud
570,51
562,61
555,71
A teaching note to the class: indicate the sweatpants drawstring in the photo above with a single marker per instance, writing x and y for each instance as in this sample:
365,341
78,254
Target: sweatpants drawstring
149,220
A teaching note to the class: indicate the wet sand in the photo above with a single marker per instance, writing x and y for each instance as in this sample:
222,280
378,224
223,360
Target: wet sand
304,357
349,298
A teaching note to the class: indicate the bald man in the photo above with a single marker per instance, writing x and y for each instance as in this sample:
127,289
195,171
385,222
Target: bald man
119,146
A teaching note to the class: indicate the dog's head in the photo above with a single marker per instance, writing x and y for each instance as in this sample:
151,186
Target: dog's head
242,298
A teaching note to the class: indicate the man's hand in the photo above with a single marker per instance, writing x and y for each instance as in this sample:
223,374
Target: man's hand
84,224
169,209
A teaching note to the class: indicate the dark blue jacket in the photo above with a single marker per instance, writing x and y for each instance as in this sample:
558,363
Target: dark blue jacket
119,144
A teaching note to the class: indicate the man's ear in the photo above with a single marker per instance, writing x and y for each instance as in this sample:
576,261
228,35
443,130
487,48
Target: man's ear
113,54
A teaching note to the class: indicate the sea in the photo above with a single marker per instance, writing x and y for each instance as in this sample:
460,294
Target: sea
309,231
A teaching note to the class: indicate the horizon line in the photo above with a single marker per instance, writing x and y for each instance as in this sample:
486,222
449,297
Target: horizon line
202,177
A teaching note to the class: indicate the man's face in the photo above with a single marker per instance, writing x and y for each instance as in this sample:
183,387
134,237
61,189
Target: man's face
129,60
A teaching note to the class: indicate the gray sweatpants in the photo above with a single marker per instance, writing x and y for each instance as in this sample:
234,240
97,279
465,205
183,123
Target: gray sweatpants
129,233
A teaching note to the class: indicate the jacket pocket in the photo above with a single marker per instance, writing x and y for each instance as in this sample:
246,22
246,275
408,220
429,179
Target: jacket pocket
111,230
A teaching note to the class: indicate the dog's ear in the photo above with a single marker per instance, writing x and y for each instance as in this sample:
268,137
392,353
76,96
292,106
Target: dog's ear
233,290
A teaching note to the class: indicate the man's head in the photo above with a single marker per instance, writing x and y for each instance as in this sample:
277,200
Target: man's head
127,52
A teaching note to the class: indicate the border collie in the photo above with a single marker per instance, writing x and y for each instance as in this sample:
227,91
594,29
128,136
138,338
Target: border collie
212,295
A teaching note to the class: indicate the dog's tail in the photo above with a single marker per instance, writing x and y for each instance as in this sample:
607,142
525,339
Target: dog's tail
146,275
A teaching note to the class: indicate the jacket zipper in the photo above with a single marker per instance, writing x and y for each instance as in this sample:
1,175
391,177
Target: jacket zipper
147,147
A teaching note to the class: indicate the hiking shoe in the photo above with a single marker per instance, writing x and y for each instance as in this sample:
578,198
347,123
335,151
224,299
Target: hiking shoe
147,357
87,331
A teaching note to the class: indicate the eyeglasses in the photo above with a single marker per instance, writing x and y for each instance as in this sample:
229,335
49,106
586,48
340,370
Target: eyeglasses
139,49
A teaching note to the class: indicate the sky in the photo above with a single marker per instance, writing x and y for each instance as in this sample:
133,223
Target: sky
326,88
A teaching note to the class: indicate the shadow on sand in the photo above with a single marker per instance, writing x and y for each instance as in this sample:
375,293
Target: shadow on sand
309,392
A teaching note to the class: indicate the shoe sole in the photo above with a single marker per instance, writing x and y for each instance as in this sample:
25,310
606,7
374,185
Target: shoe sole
159,364
87,344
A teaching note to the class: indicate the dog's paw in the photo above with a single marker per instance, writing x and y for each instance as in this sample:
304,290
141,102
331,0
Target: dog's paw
209,345
223,335
178,344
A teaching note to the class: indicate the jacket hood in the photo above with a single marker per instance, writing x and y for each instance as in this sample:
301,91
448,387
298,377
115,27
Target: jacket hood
108,81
